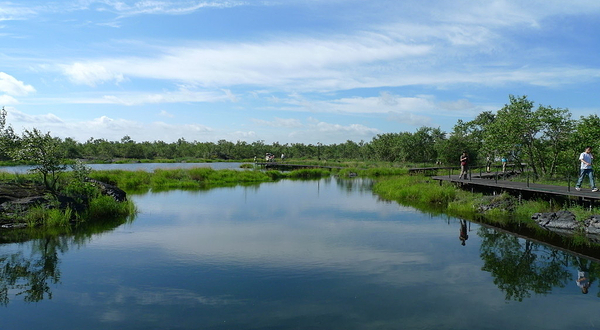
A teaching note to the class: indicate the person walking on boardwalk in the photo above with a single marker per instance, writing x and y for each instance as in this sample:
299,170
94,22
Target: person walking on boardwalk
586,159
464,165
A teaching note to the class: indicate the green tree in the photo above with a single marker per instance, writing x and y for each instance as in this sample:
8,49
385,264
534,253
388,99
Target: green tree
586,133
557,128
44,151
514,131
8,139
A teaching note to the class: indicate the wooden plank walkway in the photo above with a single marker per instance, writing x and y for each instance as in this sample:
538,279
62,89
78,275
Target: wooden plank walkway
521,187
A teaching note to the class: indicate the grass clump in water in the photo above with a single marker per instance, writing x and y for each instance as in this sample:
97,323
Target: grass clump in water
416,189
107,207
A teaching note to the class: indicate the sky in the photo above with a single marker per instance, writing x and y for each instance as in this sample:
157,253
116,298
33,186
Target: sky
289,71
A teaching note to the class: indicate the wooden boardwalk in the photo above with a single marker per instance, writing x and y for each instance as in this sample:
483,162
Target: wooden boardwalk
490,181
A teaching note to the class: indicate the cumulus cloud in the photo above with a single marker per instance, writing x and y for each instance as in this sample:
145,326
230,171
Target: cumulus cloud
11,86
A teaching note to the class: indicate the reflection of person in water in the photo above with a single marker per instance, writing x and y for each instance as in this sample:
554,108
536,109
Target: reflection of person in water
463,236
583,275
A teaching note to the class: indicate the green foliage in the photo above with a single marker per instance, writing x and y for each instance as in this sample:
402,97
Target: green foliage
80,171
415,190
309,173
45,152
48,217
107,207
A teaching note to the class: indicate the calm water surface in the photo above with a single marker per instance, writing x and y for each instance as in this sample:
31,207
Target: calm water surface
136,166
324,254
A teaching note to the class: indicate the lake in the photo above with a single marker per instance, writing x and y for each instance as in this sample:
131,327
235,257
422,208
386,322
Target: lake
136,166
323,254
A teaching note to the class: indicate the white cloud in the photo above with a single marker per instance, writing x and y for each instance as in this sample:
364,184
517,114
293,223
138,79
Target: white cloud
90,74
458,105
279,122
113,129
17,116
140,98
11,86
332,133
124,9
7,100
230,95
164,113
385,103
411,119
321,62
11,11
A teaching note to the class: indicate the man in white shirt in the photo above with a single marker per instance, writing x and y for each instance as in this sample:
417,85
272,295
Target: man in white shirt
586,159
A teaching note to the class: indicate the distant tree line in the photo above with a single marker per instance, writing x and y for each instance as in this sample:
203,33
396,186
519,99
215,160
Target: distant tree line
546,138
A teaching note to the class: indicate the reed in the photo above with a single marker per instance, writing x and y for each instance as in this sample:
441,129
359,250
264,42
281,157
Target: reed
106,207
421,192
199,178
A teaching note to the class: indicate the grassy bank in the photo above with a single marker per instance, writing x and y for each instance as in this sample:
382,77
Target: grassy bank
73,202
426,194
196,178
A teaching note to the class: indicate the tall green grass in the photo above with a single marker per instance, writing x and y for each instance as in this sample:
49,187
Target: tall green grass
53,217
426,194
197,178
106,207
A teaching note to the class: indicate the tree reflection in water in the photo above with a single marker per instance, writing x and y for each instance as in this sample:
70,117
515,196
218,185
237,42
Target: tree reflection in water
521,267
32,275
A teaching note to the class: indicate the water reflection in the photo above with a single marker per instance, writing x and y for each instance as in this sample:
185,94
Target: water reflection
30,276
323,254
30,271
521,268
463,234
137,166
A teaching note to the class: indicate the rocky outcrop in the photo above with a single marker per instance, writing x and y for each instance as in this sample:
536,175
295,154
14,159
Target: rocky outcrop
107,189
17,198
564,222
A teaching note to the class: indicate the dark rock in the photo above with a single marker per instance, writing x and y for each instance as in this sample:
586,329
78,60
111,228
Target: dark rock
502,202
558,220
592,225
108,189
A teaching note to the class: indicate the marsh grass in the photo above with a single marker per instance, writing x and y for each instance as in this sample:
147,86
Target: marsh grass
197,178
48,217
106,207
415,189
423,193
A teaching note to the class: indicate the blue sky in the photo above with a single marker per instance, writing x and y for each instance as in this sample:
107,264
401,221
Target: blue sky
288,71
